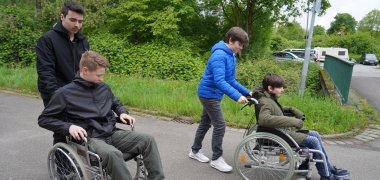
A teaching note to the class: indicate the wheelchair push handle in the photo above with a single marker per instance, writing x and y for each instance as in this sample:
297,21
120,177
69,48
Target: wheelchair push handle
250,102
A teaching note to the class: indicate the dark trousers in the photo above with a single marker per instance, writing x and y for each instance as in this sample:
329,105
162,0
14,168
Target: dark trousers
111,150
211,115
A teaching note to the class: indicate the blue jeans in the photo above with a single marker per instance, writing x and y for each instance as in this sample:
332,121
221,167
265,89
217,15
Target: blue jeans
314,141
211,114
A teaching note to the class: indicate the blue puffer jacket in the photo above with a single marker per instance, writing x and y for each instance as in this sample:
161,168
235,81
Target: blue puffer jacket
219,76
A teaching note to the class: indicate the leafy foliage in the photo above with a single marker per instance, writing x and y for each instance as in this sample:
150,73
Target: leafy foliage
319,30
153,59
371,23
279,43
17,35
144,20
252,73
292,31
357,43
344,23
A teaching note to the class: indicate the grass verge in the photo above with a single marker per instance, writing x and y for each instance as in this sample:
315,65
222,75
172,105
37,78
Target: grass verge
179,98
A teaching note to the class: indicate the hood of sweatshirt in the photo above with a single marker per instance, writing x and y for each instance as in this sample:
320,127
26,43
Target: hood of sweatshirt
221,45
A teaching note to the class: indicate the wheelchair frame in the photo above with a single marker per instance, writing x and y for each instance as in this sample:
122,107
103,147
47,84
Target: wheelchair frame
258,149
76,161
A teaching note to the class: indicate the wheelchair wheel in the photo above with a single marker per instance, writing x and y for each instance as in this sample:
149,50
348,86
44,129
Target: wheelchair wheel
65,164
137,169
264,156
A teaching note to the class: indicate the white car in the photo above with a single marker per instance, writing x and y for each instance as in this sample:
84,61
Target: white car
286,56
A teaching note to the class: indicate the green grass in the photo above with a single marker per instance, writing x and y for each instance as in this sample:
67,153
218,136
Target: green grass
179,98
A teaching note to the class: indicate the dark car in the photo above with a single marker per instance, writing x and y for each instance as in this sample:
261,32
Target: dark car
370,59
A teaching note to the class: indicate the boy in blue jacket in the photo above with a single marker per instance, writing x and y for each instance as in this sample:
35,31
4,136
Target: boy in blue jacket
219,79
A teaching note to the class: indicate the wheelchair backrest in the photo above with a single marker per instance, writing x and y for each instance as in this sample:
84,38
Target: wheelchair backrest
274,131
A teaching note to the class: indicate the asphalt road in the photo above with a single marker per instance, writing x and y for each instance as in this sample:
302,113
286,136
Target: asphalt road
366,82
24,145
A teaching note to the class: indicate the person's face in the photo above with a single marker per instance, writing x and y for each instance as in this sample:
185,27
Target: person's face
235,46
93,76
275,90
72,22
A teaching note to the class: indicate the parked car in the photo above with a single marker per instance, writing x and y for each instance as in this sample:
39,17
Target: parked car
286,56
294,50
370,59
301,54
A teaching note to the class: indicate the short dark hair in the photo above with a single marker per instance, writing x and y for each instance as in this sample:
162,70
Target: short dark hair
92,60
237,34
72,6
273,80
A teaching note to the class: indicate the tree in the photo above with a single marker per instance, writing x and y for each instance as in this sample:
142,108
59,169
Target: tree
257,17
319,30
144,20
371,23
344,23
292,31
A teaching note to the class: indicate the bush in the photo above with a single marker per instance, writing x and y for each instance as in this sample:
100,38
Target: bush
155,59
357,43
17,35
251,73
279,43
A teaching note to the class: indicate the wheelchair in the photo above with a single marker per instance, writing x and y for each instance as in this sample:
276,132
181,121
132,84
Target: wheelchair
269,153
74,161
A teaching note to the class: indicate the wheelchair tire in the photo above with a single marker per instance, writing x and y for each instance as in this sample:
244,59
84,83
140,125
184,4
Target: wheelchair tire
64,163
264,156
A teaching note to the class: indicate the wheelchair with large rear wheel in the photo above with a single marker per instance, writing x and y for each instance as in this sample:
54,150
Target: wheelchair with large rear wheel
74,161
269,153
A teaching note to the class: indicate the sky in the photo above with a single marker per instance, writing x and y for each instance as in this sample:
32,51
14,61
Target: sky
357,8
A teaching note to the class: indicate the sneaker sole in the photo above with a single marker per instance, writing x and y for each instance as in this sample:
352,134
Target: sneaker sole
193,157
225,171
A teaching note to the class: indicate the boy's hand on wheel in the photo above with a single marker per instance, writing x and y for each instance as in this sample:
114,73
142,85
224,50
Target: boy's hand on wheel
77,132
243,100
127,119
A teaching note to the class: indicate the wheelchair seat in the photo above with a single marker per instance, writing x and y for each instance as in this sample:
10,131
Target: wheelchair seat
279,133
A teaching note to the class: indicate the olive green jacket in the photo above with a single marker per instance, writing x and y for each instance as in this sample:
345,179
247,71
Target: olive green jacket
272,115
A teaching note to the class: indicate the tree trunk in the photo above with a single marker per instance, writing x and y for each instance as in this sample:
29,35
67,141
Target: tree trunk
38,5
249,16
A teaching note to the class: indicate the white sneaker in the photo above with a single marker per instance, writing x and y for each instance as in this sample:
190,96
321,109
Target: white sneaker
221,165
199,156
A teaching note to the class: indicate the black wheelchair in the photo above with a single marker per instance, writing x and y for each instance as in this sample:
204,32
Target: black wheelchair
74,161
269,153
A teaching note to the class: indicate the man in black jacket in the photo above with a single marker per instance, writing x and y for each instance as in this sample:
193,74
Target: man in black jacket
59,51
85,108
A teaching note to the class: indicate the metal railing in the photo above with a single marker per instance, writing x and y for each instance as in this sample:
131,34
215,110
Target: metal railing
340,72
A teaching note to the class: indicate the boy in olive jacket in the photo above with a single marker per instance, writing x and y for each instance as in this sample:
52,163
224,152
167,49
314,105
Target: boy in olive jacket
272,115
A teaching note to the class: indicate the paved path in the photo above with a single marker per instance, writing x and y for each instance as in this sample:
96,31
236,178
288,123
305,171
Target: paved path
24,147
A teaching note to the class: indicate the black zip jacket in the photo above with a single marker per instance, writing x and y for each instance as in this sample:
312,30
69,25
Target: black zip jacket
85,104
58,58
